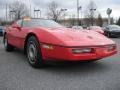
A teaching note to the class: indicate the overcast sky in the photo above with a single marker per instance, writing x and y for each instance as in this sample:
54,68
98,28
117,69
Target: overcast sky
102,6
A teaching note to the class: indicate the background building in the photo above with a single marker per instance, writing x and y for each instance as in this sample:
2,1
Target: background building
69,22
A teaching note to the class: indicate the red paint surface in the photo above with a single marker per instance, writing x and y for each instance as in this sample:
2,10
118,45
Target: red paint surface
63,41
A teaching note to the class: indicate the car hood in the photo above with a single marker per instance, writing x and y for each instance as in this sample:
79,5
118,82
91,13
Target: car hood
115,30
70,37
99,30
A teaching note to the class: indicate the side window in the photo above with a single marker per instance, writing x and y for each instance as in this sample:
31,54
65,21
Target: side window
19,22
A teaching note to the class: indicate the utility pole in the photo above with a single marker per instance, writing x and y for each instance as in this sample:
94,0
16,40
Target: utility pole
30,8
109,11
6,12
81,17
77,12
80,8
37,11
12,14
92,15
40,13
64,10
34,12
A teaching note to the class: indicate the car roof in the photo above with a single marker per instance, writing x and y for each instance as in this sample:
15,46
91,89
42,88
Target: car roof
36,19
113,25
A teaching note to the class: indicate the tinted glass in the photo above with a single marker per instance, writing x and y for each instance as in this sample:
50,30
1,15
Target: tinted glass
40,22
77,27
19,22
114,27
95,27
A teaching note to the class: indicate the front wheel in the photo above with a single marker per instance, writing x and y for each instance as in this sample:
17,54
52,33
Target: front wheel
34,52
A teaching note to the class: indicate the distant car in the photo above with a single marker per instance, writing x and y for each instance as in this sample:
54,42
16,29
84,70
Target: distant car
45,40
112,31
1,30
78,27
96,29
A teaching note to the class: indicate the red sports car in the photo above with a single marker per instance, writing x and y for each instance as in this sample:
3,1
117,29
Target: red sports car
44,40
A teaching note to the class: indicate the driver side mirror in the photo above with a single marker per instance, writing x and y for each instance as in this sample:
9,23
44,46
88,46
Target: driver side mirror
17,26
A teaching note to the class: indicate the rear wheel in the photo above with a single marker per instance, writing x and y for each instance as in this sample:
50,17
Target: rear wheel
34,52
7,46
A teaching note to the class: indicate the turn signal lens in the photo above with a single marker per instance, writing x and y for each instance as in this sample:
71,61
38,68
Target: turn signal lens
50,47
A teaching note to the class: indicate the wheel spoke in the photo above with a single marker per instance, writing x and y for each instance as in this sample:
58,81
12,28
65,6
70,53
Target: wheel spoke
32,53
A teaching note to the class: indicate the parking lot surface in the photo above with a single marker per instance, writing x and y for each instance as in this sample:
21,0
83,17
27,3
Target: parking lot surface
16,74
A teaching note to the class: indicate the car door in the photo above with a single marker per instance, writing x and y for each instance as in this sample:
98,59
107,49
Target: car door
11,34
18,35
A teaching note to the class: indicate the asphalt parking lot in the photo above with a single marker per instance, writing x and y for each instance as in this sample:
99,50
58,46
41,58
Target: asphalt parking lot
16,74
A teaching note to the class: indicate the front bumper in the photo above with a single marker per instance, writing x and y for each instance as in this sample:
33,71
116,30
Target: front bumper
115,34
60,53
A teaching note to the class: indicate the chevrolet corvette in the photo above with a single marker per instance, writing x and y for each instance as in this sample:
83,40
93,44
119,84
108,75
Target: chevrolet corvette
45,40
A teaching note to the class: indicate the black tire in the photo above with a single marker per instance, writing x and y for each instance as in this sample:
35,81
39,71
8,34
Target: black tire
34,52
7,46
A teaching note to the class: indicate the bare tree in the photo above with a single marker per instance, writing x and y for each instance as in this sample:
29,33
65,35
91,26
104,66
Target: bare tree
53,11
99,20
118,22
90,13
19,10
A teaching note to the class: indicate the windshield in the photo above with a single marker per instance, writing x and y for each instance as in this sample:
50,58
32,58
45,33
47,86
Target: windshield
114,27
40,22
77,27
95,27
